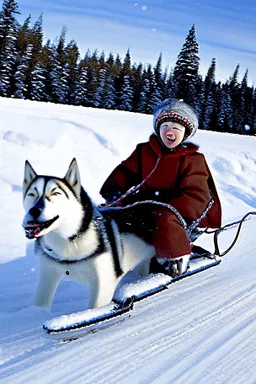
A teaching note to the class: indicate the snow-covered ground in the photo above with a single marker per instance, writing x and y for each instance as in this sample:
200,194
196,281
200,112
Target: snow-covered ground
201,330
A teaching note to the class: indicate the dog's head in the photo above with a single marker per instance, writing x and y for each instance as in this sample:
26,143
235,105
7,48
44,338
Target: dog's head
52,203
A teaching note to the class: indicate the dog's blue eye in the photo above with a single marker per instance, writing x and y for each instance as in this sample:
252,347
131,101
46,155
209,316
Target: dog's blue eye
56,193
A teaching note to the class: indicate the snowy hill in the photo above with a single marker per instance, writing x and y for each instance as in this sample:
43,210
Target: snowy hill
201,330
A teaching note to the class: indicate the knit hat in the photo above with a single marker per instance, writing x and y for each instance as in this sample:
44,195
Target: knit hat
177,111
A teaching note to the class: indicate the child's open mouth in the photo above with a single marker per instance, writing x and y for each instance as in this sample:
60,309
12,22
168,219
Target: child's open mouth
170,138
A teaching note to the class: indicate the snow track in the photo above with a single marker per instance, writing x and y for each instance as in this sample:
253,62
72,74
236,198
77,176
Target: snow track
200,330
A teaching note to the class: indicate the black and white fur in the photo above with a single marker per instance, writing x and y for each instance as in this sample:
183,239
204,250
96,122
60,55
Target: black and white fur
76,240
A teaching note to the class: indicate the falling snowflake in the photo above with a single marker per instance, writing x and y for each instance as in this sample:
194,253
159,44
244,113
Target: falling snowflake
144,7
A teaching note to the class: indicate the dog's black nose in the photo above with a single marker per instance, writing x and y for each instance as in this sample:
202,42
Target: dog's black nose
35,212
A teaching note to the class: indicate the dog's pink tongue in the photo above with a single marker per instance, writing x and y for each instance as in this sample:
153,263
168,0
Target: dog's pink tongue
37,231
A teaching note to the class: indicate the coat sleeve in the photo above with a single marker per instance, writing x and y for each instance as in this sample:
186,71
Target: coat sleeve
123,177
194,188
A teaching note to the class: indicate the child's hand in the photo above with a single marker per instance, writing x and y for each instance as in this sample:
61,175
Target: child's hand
111,197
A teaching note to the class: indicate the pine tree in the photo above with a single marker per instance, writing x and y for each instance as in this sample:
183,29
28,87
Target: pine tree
21,74
38,83
80,92
102,60
59,74
109,99
248,106
117,68
155,95
29,74
243,103
126,67
159,90
105,93
145,93
185,76
244,83
99,93
233,82
170,88
137,82
71,58
23,36
225,123
109,96
101,76
92,64
125,99
20,67
235,92
216,113
8,36
208,99
109,91
46,60
147,101
34,77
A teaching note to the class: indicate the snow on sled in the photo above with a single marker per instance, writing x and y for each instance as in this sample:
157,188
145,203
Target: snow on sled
75,325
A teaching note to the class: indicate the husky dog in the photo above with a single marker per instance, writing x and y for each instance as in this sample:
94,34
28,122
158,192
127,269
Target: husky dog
77,240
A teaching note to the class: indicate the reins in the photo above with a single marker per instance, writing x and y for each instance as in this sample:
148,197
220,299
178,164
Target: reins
224,228
216,232
134,189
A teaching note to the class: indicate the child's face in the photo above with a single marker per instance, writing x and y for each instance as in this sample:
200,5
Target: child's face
171,133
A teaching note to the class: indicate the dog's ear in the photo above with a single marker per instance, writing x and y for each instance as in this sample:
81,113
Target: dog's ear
73,177
29,176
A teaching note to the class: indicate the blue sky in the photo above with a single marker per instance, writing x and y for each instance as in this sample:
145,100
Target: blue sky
225,30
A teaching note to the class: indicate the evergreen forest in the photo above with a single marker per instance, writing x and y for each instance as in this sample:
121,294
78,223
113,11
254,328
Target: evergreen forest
54,71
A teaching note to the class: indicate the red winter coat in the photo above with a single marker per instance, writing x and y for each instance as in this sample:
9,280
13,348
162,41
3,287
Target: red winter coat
181,178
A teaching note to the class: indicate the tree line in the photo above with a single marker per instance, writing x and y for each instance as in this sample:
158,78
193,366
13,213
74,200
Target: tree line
55,72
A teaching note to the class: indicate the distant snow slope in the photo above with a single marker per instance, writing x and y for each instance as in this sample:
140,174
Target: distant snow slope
201,330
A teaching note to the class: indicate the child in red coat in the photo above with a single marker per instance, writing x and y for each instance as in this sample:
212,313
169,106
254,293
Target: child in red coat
170,171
